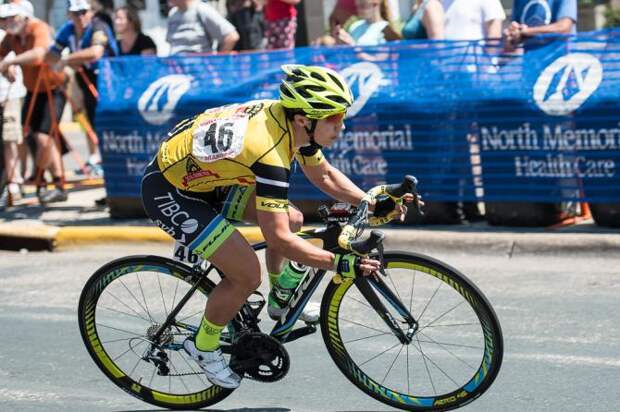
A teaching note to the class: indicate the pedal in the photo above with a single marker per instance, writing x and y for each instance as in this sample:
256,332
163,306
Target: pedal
301,332
256,301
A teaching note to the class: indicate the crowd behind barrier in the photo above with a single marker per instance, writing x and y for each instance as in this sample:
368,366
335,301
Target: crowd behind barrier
541,126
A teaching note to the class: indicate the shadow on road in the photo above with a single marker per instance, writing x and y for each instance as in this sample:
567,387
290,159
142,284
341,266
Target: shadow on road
217,410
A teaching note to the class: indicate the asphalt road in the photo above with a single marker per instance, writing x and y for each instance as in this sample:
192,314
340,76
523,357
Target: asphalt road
559,316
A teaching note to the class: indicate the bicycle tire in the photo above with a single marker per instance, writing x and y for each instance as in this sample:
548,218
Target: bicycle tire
490,362
87,309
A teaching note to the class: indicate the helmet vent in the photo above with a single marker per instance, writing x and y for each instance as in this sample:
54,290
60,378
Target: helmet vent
284,90
317,76
302,91
315,88
317,105
335,79
337,99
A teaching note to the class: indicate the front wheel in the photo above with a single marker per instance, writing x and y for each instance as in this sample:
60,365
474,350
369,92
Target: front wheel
452,357
122,307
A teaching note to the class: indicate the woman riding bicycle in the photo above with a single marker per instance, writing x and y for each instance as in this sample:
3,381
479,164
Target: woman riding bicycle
232,163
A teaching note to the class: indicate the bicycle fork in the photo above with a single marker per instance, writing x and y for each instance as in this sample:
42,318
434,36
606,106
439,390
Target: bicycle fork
367,285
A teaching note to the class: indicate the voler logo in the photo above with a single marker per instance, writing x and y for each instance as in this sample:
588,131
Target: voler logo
157,103
364,79
567,83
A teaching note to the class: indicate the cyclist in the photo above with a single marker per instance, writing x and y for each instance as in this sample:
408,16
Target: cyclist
233,163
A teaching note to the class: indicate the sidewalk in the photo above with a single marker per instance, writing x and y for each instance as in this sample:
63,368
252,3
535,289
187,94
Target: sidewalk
80,221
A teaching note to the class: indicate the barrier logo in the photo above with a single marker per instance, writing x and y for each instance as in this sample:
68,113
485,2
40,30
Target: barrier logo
536,13
364,79
157,103
567,83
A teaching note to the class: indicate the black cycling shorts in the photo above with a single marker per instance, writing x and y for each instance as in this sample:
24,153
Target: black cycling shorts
199,220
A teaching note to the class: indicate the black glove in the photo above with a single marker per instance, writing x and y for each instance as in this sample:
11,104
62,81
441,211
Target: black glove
348,265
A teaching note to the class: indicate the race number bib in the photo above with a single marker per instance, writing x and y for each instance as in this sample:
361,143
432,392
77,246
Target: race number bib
183,254
219,138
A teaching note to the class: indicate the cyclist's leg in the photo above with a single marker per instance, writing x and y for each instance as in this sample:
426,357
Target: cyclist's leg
240,205
194,222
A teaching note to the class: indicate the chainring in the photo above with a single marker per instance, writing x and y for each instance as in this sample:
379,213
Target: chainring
260,357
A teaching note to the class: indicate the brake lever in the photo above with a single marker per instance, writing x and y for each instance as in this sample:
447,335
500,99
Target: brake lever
381,261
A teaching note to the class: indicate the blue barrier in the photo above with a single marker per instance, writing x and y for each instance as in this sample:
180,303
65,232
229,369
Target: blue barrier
542,126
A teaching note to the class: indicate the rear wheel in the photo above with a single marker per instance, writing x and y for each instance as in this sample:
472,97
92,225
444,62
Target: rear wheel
122,306
454,355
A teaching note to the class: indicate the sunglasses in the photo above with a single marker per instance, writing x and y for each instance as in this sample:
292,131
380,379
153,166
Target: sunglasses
335,117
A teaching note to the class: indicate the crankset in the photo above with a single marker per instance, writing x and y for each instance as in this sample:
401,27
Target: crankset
260,357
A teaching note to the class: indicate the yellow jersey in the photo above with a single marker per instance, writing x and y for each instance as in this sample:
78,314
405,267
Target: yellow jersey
239,144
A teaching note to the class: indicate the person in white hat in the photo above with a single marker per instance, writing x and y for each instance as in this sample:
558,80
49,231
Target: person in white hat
29,38
88,39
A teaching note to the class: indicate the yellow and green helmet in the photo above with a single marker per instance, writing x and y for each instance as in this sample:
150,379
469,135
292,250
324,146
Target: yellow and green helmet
317,91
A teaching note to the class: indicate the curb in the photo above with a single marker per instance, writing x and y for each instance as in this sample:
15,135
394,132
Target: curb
43,237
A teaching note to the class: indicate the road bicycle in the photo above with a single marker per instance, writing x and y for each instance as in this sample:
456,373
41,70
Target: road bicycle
418,336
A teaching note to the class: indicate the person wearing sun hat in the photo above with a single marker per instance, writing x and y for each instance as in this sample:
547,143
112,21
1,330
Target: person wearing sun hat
30,38
88,40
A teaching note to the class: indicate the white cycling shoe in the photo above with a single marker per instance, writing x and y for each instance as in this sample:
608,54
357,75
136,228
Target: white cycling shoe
214,366
309,315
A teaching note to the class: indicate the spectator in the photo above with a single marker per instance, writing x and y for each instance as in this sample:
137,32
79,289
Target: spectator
103,11
540,17
426,21
281,24
473,19
12,92
369,28
30,38
88,39
247,17
194,26
131,40
345,9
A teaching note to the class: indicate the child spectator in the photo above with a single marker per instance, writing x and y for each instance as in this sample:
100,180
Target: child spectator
280,24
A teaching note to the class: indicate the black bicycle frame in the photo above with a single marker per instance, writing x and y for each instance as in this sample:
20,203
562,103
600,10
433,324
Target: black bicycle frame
283,329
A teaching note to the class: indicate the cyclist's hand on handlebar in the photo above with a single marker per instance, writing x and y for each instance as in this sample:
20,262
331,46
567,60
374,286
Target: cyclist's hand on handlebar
351,265
388,208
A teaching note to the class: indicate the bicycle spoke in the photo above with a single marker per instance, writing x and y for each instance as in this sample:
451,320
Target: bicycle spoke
180,377
359,301
361,324
376,356
123,313
394,285
174,298
436,366
116,340
127,306
120,330
392,365
428,372
429,301
452,325
412,286
123,354
408,380
442,315
162,296
137,301
366,337
442,345
191,316
148,312
152,375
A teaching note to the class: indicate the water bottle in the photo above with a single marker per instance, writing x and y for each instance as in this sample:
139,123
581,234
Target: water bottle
281,293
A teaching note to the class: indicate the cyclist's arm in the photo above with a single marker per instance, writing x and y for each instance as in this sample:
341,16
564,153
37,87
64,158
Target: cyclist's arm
277,233
333,182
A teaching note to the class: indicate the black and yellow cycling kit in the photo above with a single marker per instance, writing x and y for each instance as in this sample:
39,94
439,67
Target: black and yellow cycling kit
209,166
